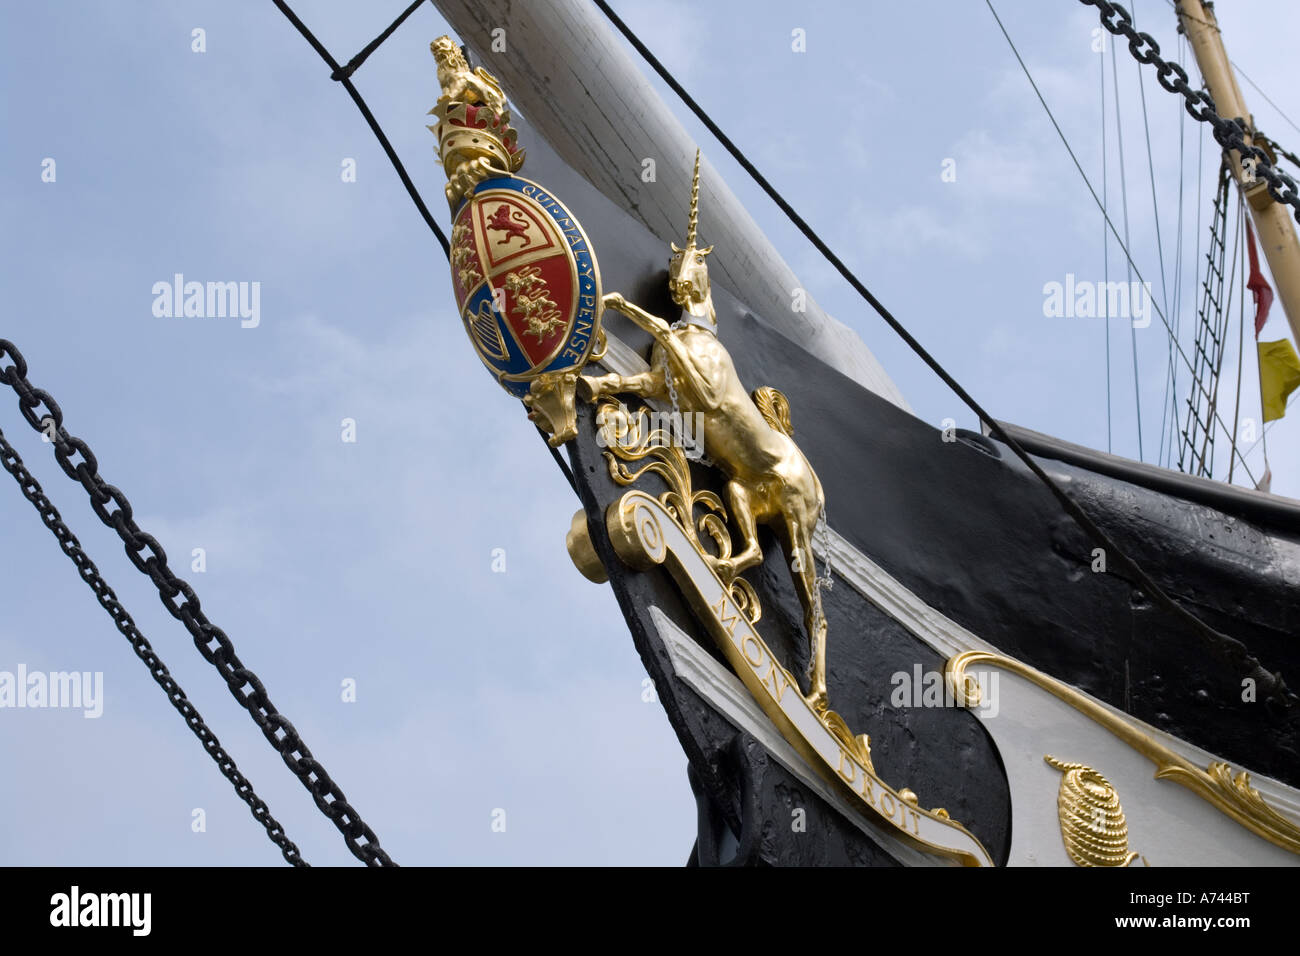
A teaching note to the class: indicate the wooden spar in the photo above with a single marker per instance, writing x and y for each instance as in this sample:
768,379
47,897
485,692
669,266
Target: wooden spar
1273,221
572,78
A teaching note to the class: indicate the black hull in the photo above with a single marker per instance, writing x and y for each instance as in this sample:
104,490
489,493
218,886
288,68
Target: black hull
967,528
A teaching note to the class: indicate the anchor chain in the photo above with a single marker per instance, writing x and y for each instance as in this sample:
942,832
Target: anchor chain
43,414
1229,133
32,491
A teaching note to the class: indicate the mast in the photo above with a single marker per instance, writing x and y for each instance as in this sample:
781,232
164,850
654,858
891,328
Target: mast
1273,222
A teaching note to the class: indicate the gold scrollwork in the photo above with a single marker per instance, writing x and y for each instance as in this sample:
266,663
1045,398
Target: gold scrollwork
860,747
644,534
629,438
635,448
1233,796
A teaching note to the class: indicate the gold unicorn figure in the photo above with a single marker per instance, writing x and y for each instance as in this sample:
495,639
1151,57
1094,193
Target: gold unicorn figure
749,438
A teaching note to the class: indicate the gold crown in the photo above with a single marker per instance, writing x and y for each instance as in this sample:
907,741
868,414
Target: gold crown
475,137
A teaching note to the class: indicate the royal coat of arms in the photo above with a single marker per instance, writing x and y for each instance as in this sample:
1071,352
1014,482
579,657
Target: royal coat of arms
528,291
525,281
524,275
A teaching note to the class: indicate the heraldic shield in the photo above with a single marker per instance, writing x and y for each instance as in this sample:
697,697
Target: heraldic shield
525,280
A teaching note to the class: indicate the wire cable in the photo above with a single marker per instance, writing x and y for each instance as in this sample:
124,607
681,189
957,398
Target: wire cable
345,72
1169,330
1228,648
1194,278
1165,406
1151,170
1178,271
1123,191
344,76
1241,348
1105,240
1173,6
1266,97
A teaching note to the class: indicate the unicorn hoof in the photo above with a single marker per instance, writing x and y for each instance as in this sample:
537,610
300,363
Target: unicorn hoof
588,389
725,570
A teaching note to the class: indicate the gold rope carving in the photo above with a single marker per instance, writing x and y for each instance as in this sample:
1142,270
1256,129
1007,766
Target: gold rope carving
1229,794
1092,820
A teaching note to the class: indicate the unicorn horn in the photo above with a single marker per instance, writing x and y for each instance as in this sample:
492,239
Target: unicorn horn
695,203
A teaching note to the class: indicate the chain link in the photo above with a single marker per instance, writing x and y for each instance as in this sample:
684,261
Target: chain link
40,411
68,542
823,582
826,581
1229,133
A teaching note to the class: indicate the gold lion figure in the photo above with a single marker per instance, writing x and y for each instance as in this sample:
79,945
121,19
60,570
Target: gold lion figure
459,83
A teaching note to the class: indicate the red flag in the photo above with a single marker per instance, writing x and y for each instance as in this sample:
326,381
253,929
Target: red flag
1258,285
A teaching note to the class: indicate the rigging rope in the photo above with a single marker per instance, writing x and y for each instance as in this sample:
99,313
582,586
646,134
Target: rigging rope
1200,167
1267,480
148,557
242,682
346,72
1221,335
1105,244
89,573
1286,154
360,838
1151,170
1169,330
1228,133
1266,97
1160,245
1210,316
1228,648
1241,348
343,75
1178,256
1123,191
1295,396
1169,408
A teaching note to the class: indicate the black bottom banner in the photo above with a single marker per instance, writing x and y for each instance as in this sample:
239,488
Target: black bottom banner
272,904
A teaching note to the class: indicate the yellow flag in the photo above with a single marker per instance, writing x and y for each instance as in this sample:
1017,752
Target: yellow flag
1279,375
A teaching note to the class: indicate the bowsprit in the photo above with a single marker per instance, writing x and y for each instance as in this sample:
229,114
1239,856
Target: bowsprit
523,272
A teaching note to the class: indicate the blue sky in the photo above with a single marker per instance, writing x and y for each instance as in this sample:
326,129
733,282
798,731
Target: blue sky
372,560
